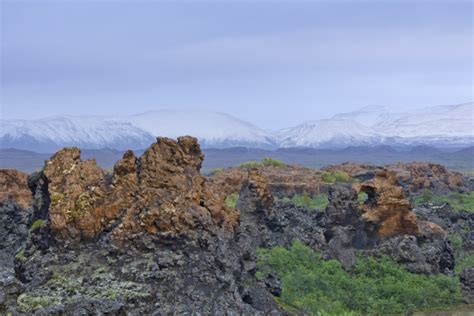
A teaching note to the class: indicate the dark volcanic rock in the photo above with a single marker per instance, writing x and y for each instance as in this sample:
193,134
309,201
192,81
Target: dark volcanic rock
152,239
467,280
14,230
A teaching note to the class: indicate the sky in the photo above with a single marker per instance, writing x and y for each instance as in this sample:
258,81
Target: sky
272,63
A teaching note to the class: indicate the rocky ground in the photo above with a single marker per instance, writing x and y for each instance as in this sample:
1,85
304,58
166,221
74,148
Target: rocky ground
155,237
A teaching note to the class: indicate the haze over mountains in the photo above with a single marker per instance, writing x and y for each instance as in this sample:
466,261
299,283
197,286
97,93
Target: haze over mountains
439,126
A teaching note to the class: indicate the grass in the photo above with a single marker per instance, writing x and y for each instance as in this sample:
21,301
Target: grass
458,201
231,200
313,286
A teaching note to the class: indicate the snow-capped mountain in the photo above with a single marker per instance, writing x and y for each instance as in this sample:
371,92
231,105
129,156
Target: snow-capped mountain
137,131
328,133
213,129
441,125
50,134
451,125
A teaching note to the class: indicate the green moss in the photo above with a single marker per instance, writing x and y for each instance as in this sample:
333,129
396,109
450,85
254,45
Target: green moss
374,286
28,302
37,224
231,200
84,202
20,256
56,197
80,281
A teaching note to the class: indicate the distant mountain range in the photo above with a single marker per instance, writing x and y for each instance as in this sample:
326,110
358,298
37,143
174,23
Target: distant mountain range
439,126
460,160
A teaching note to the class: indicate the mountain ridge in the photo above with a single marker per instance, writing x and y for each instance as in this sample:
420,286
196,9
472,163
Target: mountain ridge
436,126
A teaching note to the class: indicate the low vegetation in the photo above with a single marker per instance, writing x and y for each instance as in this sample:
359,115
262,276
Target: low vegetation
216,171
37,224
362,197
464,262
458,201
231,200
265,162
337,177
315,202
311,285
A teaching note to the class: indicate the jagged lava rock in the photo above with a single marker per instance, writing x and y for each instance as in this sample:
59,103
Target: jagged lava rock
77,190
14,187
387,212
425,175
162,192
255,192
282,181
171,196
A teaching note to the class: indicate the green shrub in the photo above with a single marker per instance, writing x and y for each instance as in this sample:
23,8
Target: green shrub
328,177
317,201
362,197
37,224
337,176
456,242
457,200
374,287
342,176
231,200
465,262
426,196
250,164
267,161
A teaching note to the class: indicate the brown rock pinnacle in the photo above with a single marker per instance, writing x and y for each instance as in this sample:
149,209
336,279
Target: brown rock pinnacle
387,211
160,193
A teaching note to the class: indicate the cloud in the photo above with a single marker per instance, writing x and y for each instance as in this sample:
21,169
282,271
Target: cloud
318,47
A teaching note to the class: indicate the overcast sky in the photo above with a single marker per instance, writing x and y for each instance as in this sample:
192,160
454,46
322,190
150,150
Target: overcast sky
274,64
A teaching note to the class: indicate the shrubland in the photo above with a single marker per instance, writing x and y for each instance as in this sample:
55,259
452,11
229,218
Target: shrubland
311,285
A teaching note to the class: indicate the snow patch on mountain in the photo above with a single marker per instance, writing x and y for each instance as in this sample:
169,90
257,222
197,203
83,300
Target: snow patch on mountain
328,133
52,133
213,129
